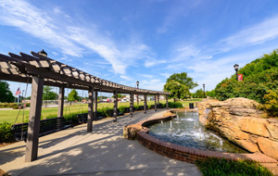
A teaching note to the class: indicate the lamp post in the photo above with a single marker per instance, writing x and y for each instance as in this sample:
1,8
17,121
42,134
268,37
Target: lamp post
236,66
204,90
137,86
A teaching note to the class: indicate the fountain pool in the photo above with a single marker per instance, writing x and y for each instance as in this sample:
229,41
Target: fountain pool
186,130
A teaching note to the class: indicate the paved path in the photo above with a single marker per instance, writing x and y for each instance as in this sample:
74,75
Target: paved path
102,152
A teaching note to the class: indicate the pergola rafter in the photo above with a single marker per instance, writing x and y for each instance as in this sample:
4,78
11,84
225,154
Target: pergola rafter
41,70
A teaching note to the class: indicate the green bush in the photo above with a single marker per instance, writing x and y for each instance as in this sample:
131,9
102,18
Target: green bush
222,167
123,109
106,112
175,105
71,118
13,105
259,76
6,134
271,102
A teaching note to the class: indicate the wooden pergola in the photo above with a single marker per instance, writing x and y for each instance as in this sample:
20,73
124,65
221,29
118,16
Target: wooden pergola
41,70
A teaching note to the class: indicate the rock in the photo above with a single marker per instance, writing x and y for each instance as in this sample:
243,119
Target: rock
241,121
2,173
130,131
268,147
254,125
273,128
249,146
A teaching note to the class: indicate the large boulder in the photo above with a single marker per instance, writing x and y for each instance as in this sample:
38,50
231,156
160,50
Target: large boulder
241,121
268,147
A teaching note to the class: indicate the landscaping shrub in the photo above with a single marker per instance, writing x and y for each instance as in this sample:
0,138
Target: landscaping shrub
271,102
106,112
13,105
123,109
223,167
175,105
259,76
6,134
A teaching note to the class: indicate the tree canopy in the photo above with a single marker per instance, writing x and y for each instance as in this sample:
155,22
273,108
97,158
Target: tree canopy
259,76
5,93
260,83
183,79
48,94
73,95
199,94
179,85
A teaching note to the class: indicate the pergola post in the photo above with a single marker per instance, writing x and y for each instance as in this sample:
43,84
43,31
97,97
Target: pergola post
145,103
60,107
115,113
95,104
155,102
166,97
34,120
90,110
131,101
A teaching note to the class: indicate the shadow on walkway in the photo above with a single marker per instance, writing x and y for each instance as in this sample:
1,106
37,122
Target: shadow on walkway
102,152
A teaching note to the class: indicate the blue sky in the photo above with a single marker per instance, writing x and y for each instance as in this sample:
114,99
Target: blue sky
145,40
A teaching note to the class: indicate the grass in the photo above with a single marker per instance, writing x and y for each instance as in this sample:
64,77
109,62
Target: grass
185,103
222,167
20,116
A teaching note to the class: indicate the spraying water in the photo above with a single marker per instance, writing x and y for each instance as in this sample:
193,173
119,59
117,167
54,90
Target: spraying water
186,130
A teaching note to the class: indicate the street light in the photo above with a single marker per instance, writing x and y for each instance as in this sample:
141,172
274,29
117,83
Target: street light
204,89
236,66
137,86
42,53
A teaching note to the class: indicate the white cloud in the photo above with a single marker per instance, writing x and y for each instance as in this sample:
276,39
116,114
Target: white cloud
146,76
125,77
211,72
256,34
166,75
153,62
71,40
31,20
153,84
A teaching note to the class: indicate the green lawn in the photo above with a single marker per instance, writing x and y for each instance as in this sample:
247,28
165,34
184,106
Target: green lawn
185,103
19,116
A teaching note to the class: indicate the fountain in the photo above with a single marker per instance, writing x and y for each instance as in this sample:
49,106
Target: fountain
186,130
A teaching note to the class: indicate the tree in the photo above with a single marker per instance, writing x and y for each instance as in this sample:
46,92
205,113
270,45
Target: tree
119,96
5,93
211,93
48,94
183,79
260,83
73,95
179,85
199,94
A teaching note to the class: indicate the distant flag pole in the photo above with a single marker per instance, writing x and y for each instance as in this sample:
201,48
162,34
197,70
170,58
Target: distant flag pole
17,93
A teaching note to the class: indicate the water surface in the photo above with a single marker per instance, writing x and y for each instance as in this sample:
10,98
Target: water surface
186,130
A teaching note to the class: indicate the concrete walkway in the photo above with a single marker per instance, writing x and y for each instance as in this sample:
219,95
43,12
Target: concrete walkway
102,152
